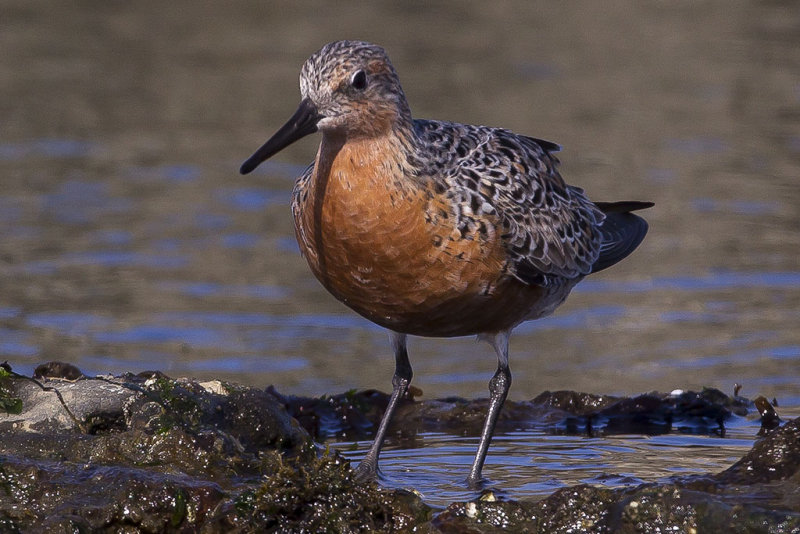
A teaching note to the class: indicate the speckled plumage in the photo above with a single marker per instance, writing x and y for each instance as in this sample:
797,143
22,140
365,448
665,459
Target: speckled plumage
436,228
549,229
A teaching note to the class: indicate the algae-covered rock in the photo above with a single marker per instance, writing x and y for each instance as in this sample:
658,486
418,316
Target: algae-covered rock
312,494
321,495
354,415
147,453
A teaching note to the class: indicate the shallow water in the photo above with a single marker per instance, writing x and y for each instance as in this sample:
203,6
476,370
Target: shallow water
129,241
533,463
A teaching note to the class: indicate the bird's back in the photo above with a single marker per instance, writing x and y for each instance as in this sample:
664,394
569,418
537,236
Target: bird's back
508,184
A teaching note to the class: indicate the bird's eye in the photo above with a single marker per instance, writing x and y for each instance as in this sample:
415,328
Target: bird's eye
359,80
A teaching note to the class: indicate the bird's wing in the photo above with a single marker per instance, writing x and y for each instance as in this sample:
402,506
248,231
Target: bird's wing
548,228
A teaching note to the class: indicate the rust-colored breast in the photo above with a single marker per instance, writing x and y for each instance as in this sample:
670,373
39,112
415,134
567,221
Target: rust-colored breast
388,247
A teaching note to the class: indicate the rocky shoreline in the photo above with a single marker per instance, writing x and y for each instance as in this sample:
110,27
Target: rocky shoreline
148,453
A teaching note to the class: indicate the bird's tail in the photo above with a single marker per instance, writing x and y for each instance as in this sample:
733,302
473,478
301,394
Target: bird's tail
622,231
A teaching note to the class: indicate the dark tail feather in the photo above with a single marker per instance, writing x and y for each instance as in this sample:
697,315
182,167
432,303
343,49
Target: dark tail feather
622,231
624,206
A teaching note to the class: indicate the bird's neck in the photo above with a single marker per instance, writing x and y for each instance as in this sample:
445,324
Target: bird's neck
389,150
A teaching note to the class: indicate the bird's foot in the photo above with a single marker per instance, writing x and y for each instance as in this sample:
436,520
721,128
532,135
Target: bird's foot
476,483
366,471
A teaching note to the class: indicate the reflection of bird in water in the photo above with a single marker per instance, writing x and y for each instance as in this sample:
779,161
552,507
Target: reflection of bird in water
435,228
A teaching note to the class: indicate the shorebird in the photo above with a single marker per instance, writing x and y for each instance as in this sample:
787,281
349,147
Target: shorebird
434,228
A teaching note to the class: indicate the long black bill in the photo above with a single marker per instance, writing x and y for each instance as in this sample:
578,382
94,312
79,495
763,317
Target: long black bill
303,122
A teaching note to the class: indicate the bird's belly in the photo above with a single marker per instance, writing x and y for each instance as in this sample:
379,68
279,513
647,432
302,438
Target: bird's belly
389,260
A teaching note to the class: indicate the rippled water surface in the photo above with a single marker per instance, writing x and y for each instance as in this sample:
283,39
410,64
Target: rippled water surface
128,240
534,463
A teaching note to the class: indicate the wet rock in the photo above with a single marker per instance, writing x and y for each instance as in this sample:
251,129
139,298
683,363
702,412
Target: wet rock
147,453
321,496
573,402
769,417
773,459
57,406
58,370
355,415
316,494
651,413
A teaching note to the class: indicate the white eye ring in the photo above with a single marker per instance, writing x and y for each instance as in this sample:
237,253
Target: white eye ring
359,80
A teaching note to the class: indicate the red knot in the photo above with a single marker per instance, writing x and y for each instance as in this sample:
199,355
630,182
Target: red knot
434,228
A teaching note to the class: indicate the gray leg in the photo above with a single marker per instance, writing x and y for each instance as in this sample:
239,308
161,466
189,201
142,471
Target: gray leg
498,391
368,468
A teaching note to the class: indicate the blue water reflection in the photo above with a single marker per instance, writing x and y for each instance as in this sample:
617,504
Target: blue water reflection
175,174
251,199
714,281
82,201
47,148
